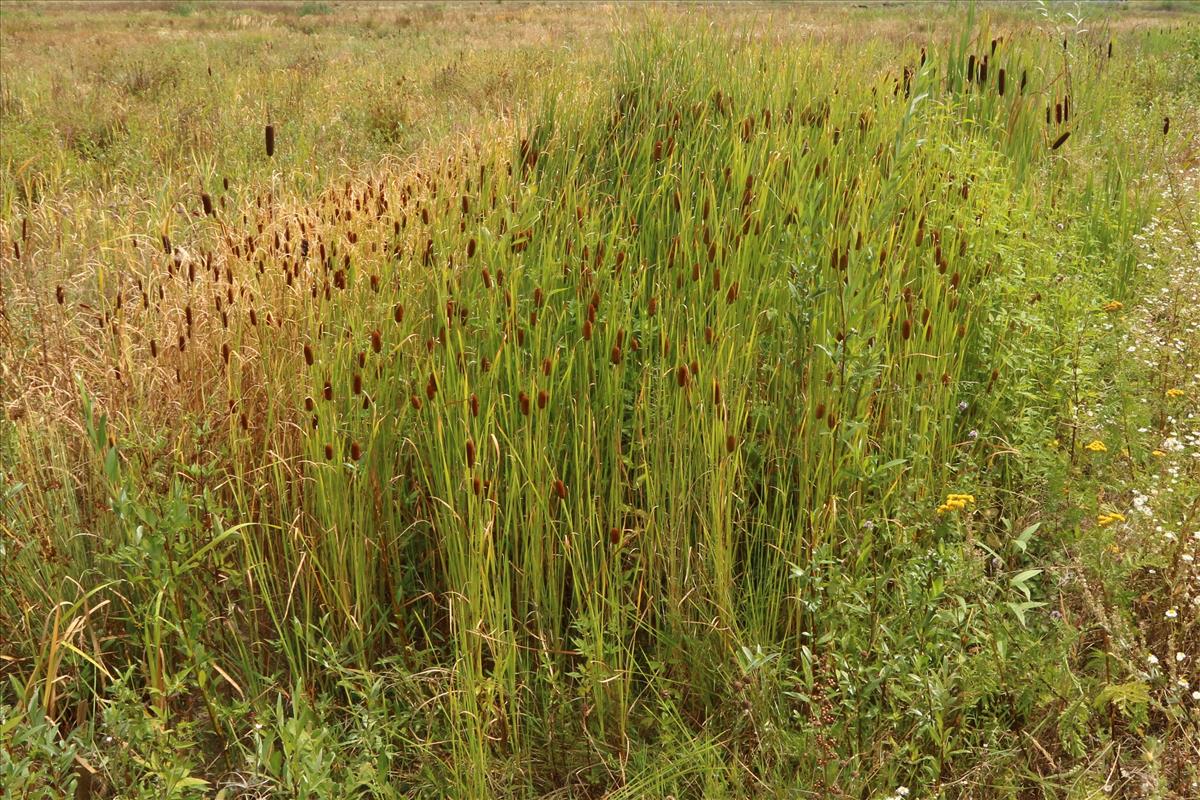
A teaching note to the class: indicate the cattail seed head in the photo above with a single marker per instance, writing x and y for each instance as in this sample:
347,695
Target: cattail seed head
906,329
560,489
60,295
270,140
820,411
1166,125
415,402
730,443
207,203
523,400
328,391
682,376
398,313
153,349
355,451
309,405
587,330
474,405
615,355
308,355
470,453
831,420
376,341
543,398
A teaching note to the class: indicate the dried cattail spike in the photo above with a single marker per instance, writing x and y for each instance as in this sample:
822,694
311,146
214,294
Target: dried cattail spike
560,489
355,451
376,341
1059,141
543,398
398,313
523,400
206,201
329,452
328,391
474,405
60,295
682,376
270,140
308,355
1166,125
470,453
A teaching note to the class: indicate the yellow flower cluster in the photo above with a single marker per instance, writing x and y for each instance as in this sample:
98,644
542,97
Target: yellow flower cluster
956,502
1175,393
1157,453
1104,520
1097,446
1113,305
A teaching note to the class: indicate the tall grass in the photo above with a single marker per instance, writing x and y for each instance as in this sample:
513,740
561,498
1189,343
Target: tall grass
586,427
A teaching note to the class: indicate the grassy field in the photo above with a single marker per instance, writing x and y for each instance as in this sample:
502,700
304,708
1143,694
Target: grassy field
519,400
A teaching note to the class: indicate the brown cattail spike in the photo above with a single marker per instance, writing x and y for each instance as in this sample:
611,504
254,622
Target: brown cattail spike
270,140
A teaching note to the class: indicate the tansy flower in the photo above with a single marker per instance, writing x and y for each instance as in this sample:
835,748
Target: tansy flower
1104,520
1097,446
1113,305
1157,453
956,502
1175,393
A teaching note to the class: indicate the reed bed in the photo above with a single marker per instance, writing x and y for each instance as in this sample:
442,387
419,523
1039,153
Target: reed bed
673,442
